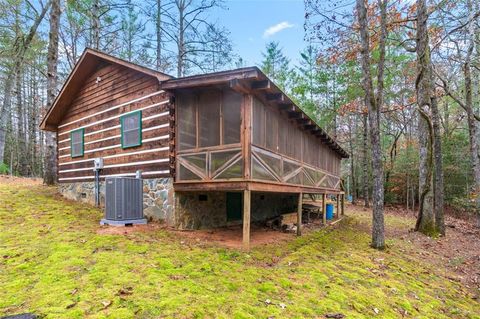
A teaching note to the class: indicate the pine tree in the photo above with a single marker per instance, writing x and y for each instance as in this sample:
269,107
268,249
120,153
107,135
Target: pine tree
276,65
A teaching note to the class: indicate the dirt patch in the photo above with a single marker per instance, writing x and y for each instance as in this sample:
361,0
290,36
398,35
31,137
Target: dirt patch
22,181
458,251
231,237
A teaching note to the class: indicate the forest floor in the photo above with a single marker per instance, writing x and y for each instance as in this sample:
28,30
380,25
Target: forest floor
57,262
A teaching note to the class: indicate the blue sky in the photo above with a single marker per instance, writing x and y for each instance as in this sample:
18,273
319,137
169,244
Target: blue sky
253,23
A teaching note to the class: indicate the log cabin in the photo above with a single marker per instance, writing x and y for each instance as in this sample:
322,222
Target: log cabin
214,149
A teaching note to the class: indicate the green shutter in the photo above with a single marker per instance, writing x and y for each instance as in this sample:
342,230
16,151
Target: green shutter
122,119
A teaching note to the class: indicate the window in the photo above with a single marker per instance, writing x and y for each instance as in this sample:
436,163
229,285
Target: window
76,143
131,129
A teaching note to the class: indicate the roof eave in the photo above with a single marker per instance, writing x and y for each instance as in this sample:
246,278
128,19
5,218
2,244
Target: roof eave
210,78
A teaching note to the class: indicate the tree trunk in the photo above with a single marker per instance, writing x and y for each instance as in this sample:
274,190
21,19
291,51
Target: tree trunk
158,24
181,39
95,24
438,186
365,161
424,90
50,172
5,111
425,219
374,105
353,187
21,134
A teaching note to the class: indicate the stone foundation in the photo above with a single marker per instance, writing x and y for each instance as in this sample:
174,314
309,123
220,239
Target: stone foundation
204,210
158,197
159,200
193,213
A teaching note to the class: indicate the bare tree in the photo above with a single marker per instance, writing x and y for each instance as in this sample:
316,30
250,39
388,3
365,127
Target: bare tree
194,36
20,46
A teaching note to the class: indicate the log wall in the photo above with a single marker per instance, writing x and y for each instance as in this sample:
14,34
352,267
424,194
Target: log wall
110,92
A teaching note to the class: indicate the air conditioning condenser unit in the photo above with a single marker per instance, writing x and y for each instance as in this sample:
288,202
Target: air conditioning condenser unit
123,201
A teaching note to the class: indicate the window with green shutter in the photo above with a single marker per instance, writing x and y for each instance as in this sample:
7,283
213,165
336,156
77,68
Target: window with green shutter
131,129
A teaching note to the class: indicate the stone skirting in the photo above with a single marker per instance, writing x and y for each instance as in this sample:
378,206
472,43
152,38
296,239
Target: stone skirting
159,200
158,197
204,210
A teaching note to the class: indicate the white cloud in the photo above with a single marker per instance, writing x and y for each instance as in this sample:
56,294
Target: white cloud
277,28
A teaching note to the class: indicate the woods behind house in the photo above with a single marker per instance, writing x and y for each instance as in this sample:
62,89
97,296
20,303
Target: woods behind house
396,83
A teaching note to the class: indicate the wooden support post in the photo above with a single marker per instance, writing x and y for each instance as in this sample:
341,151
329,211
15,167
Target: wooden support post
246,219
299,214
246,135
343,204
338,206
324,208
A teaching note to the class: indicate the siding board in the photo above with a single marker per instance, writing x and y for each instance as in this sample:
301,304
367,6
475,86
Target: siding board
102,131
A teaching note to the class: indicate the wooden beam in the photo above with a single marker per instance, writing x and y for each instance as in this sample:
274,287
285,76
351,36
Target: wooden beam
239,86
299,214
343,204
295,115
302,120
338,206
324,208
286,107
261,85
254,185
246,220
275,97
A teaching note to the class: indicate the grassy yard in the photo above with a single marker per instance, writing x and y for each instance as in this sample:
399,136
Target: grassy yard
53,262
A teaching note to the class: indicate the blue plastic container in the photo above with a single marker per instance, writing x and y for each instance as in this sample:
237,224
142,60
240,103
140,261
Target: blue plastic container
330,211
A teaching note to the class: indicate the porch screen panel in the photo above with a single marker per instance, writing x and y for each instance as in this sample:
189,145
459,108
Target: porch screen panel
315,147
290,140
209,119
187,126
282,135
231,105
297,144
258,123
306,148
271,131
324,159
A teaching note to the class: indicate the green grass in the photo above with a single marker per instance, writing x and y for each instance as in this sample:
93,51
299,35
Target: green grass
53,263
